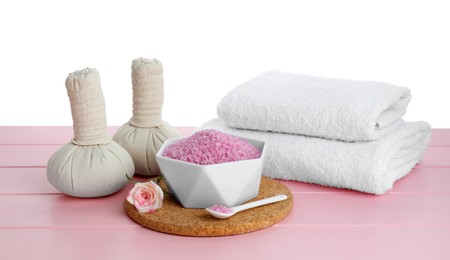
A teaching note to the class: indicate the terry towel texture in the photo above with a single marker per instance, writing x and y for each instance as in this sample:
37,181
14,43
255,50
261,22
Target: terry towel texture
339,109
370,167
333,132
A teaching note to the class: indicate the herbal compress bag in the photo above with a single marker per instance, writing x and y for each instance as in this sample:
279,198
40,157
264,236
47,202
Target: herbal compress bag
92,164
146,131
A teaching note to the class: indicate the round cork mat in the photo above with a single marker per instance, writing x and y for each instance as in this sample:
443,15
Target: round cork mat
172,218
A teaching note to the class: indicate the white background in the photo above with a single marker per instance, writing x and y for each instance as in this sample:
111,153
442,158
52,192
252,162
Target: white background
209,47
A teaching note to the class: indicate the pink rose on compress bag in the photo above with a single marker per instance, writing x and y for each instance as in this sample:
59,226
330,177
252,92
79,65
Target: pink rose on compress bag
146,196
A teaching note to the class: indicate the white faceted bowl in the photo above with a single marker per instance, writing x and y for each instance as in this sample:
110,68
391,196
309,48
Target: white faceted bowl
201,186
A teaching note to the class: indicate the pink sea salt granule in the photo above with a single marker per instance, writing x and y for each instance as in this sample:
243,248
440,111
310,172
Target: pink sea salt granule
211,146
221,209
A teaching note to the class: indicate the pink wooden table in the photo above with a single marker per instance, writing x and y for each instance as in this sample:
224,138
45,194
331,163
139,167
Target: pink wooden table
412,221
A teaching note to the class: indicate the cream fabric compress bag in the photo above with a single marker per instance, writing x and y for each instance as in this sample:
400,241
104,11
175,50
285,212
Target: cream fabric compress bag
92,164
146,131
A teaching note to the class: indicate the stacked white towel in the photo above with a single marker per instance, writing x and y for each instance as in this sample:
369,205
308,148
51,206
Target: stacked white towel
315,106
332,132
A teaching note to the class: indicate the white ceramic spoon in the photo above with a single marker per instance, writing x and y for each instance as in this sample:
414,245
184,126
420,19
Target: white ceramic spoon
222,212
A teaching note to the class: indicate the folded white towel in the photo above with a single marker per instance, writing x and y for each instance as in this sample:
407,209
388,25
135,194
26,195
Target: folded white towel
370,167
332,108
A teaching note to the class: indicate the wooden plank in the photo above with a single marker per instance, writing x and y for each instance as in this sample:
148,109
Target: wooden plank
271,243
440,137
56,211
52,134
320,209
424,179
38,155
25,181
358,209
420,180
35,134
435,156
26,155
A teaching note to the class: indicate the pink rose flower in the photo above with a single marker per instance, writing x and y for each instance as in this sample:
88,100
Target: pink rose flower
146,196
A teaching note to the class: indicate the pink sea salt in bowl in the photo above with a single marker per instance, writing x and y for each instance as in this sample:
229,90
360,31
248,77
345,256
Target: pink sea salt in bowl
225,180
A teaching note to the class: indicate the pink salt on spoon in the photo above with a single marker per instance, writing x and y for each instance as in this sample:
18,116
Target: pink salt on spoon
222,212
